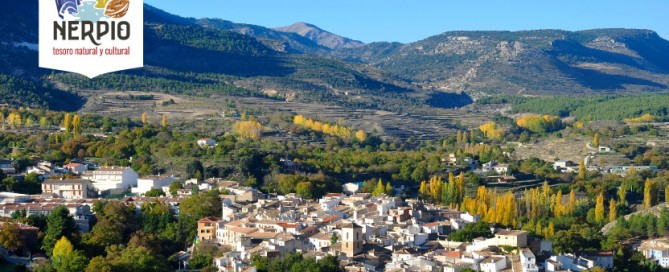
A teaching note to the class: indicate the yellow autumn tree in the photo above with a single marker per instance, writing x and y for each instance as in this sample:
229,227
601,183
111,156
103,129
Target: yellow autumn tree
646,118
14,120
612,211
595,141
76,124
163,122
361,135
424,191
299,120
599,208
539,123
550,231
247,129
581,170
649,194
572,201
622,194
145,118
67,123
435,188
491,131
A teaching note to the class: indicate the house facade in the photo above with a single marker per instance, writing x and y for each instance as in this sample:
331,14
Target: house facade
113,180
68,188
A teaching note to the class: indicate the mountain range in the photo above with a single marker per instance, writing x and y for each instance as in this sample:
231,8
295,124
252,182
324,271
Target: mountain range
305,63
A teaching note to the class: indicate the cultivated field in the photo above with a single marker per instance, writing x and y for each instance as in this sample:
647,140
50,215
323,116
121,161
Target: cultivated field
187,109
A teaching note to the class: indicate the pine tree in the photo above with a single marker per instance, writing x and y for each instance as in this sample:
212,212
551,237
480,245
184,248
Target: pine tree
599,208
612,211
145,118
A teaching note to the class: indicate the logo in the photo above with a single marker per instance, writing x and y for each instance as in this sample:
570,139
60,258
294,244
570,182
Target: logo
91,37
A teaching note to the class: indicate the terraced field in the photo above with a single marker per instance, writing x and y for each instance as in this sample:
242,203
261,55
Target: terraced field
187,109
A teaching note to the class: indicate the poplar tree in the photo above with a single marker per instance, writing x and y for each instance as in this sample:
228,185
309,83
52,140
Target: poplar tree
572,201
145,117
581,170
599,208
67,123
622,194
423,190
76,124
163,123
649,194
612,211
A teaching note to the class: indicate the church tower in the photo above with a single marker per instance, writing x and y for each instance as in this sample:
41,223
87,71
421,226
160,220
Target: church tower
352,238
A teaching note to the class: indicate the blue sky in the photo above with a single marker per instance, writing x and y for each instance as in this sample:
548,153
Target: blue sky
408,21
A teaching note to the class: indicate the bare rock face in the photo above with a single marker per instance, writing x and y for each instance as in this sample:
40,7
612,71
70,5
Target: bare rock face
321,37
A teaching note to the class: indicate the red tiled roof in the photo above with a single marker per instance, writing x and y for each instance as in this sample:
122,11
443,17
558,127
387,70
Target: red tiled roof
210,219
454,254
330,218
334,194
308,229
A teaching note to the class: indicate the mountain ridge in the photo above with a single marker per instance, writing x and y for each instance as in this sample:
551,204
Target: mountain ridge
198,56
320,36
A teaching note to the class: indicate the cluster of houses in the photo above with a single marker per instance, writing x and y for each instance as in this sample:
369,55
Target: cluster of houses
381,233
567,166
365,232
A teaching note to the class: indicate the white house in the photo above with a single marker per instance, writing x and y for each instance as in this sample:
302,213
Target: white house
145,184
565,166
113,180
528,261
585,262
657,250
493,166
43,169
493,264
605,149
206,143
471,218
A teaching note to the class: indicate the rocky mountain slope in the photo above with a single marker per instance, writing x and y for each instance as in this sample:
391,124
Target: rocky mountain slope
304,63
542,62
321,37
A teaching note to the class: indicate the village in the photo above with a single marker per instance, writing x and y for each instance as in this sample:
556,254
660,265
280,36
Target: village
364,232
